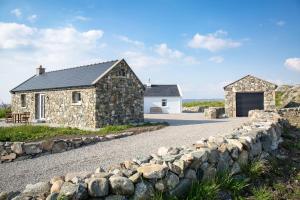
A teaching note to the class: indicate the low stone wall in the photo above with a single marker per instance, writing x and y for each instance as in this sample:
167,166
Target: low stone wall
194,109
214,112
170,170
291,114
14,151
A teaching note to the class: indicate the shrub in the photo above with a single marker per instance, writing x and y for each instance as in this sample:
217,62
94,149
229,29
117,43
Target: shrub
255,169
204,104
203,190
262,193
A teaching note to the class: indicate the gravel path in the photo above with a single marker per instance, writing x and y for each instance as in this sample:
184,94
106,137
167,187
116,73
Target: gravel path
184,129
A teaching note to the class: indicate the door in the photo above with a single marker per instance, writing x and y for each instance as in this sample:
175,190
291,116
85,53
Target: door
248,101
40,106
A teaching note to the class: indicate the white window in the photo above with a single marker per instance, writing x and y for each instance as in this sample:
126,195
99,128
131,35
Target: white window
76,97
23,100
164,102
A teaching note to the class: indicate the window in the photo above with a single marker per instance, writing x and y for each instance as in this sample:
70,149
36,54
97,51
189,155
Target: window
76,97
164,102
23,100
121,73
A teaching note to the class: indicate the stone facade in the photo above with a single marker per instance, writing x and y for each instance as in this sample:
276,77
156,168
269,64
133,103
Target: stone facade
249,84
114,99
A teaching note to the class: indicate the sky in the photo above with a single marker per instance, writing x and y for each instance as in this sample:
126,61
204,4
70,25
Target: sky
200,45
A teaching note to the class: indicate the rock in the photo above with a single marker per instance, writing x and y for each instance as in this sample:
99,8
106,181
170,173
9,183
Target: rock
121,185
102,175
234,153
213,157
56,186
17,147
174,168
47,145
3,195
9,157
143,191
99,169
209,173
153,171
180,164
52,196
59,146
181,190
190,174
234,142
235,168
256,149
161,185
82,175
68,189
81,191
172,180
162,151
243,158
135,177
56,178
38,189
115,197
32,148
98,187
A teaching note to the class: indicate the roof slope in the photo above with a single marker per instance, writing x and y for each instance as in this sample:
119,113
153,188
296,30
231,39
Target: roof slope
247,77
71,77
162,91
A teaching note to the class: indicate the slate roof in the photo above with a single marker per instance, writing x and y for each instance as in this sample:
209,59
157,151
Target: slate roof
246,77
162,91
71,77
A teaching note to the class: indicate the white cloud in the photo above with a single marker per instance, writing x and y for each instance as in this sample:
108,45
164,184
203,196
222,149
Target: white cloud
32,18
141,60
280,23
293,63
81,18
16,12
216,59
213,41
127,40
165,51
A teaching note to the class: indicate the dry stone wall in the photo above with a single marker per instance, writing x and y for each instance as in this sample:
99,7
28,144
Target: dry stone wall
170,170
292,114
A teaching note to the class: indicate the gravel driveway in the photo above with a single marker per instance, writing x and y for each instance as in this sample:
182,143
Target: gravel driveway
184,129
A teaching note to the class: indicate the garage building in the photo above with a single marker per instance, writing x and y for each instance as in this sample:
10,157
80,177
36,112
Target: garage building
249,93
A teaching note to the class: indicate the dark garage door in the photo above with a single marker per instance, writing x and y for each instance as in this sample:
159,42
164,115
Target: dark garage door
248,101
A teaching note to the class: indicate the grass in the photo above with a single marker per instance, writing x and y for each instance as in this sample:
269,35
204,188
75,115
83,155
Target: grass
262,193
33,133
278,99
204,190
255,169
204,104
3,112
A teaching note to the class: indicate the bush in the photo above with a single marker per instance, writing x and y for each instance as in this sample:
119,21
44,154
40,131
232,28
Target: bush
3,112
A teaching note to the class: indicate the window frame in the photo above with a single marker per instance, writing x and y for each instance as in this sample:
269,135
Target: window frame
23,101
78,102
164,102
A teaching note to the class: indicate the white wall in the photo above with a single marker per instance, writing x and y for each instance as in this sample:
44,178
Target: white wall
174,104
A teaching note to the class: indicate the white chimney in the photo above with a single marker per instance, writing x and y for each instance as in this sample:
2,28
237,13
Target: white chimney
40,70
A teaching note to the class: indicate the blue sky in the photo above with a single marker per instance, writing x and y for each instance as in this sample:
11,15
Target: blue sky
200,45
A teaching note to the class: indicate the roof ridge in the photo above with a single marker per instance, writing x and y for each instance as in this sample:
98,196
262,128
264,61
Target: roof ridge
89,65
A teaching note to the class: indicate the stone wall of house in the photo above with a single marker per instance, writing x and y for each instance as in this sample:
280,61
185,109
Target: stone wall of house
59,108
171,170
249,84
119,99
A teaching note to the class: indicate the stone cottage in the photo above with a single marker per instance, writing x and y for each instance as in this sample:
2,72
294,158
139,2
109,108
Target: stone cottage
90,96
249,93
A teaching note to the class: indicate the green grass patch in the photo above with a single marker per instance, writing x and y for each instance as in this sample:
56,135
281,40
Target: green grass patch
38,132
262,193
204,104
278,99
3,112
255,169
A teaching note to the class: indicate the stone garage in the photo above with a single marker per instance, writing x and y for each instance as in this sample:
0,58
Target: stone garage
249,93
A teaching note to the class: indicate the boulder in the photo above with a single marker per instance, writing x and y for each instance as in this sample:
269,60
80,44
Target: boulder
243,158
17,147
3,195
172,180
181,190
135,177
38,189
9,157
235,168
32,148
47,145
153,171
74,191
143,191
98,187
56,186
161,185
56,178
82,175
52,196
121,185
59,146
115,197
190,174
